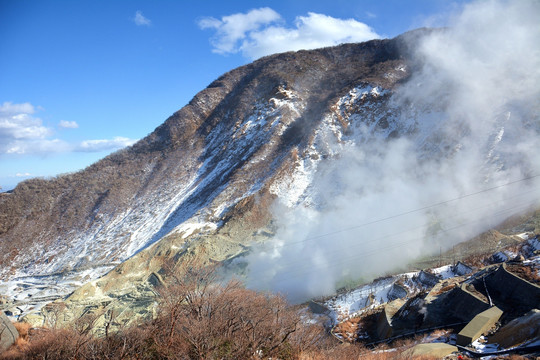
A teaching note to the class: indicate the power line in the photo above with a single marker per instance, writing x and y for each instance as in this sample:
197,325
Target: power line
410,211
472,210
297,269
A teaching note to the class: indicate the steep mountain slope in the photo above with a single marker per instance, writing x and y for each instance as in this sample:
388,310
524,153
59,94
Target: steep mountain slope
188,175
286,134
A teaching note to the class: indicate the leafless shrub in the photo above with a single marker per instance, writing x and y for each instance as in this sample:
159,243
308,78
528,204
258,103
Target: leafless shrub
199,318
528,273
53,344
202,319
52,313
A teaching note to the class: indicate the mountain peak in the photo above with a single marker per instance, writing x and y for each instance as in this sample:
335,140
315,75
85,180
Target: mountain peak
261,147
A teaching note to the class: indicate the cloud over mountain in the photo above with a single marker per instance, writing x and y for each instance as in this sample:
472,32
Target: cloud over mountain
19,127
263,31
117,142
23,133
475,92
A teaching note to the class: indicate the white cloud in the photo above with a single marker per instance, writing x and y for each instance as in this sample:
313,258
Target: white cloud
233,28
384,203
140,20
68,124
18,126
104,145
261,32
8,108
26,174
36,146
22,133
371,15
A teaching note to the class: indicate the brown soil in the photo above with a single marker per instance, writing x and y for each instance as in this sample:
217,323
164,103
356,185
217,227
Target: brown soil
528,273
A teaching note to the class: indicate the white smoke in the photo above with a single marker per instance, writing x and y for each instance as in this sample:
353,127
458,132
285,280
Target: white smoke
472,162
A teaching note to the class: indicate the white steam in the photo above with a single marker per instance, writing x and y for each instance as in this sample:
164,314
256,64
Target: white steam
472,161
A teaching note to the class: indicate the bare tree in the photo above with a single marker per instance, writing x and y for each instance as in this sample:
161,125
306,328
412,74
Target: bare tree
52,314
200,318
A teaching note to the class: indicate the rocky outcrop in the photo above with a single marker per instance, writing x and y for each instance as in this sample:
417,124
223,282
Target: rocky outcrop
8,333
202,185
522,330
227,145
202,182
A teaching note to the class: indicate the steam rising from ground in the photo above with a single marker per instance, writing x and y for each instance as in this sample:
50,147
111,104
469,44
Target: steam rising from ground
384,203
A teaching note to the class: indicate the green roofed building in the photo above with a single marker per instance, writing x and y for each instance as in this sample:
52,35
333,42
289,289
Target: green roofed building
479,325
438,350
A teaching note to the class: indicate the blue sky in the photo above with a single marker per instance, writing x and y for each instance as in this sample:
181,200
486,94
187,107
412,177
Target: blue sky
80,79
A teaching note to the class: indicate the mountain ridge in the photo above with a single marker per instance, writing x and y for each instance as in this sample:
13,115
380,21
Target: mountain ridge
253,150
183,131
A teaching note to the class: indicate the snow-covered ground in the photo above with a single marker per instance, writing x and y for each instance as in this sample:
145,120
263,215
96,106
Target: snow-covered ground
354,302
480,345
31,293
196,202
343,306
189,205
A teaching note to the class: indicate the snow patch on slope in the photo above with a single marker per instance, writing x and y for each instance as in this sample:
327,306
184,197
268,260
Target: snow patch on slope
185,206
382,290
329,141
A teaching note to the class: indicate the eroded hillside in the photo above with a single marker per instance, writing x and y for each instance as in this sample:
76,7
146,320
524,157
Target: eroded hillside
300,152
231,144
